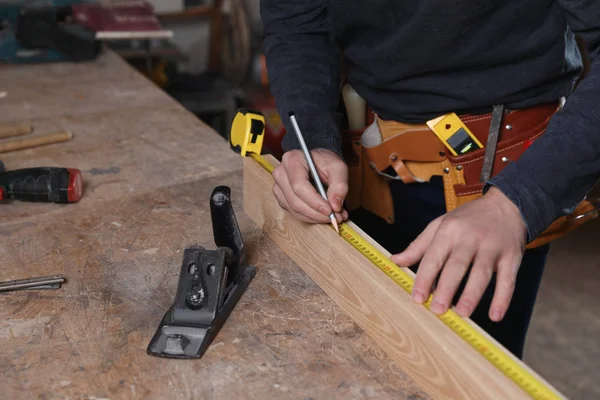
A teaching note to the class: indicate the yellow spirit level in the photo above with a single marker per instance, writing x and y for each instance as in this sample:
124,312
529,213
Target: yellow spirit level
454,134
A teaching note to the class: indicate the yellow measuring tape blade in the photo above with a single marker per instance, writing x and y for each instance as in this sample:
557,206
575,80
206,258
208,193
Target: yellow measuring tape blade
505,363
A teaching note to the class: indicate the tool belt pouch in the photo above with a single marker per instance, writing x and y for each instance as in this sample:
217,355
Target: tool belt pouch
366,188
413,153
386,151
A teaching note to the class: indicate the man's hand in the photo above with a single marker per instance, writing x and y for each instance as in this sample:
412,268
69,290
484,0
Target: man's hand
490,234
295,193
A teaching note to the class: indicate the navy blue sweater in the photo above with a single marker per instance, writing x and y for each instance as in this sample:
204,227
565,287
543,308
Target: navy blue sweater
416,59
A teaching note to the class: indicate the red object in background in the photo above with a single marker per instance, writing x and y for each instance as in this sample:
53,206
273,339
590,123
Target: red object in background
264,76
135,16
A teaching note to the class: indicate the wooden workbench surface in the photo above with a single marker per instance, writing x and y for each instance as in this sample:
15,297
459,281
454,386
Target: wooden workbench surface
149,167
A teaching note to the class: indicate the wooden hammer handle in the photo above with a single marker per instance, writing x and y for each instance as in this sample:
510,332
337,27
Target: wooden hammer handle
34,141
8,130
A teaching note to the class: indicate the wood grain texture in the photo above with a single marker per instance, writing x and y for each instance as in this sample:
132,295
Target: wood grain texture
149,167
443,364
285,339
42,91
469,321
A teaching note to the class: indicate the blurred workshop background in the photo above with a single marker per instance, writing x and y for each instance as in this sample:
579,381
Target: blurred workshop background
212,63
207,55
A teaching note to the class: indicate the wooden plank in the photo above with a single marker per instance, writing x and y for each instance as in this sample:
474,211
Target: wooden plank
443,364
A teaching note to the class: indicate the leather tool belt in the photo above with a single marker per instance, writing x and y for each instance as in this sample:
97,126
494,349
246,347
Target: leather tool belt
412,153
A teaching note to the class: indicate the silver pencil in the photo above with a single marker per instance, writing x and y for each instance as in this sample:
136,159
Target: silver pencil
311,166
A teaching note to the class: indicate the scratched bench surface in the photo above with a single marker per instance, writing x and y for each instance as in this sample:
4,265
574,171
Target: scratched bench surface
149,167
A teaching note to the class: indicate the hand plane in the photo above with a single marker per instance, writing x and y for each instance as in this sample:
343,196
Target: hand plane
211,282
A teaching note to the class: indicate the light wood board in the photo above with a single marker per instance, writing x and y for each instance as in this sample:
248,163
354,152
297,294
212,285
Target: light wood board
443,364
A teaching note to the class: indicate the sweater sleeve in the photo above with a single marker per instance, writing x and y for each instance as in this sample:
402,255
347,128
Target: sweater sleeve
556,172
303,66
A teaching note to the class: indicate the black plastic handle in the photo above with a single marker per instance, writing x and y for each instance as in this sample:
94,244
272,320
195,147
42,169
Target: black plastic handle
43,184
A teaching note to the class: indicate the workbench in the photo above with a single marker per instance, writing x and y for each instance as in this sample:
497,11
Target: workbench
149,167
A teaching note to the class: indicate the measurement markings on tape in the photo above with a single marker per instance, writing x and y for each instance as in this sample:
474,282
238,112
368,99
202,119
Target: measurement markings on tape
529,383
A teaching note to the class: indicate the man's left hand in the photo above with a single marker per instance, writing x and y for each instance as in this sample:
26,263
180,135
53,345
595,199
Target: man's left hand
488,233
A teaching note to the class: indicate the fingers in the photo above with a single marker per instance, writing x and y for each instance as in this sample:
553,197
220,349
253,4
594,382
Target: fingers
288,200
415,251
298,185
336,177
479,279
295,192
433,260
506,278
284,204
299,210
452,274
483,233
484,265
300,217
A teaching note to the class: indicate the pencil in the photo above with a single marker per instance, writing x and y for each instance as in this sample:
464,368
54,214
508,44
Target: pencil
311,166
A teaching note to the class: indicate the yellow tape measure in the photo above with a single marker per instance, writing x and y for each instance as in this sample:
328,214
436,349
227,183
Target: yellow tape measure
505,363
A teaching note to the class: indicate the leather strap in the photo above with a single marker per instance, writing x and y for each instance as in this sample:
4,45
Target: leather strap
587,210
395,144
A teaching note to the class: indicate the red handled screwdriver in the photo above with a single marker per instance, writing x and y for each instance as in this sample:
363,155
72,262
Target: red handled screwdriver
41,184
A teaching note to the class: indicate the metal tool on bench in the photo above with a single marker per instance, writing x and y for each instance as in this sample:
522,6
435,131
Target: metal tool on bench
44,282
211,282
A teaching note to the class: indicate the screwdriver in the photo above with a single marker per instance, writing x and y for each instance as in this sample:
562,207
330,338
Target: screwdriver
44,282
311,166
41,184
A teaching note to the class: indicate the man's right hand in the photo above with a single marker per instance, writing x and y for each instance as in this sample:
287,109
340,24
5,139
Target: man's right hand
295,193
